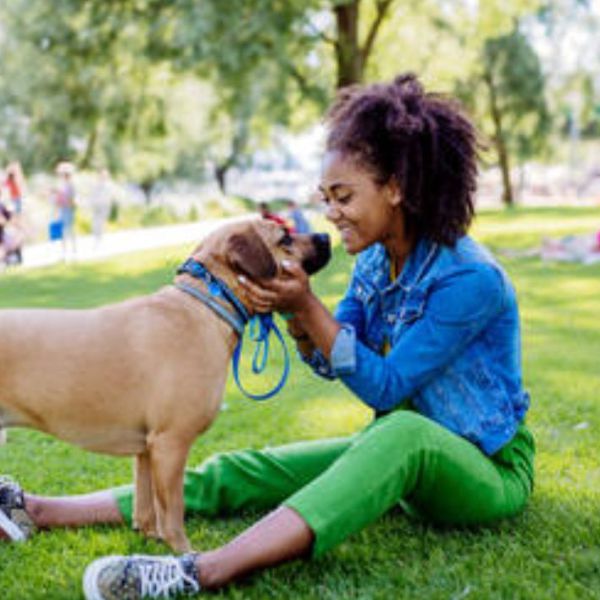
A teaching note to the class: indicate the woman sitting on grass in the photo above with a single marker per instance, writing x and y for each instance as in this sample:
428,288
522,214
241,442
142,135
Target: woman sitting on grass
427,335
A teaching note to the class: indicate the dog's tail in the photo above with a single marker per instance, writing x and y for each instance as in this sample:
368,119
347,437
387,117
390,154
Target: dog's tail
2,436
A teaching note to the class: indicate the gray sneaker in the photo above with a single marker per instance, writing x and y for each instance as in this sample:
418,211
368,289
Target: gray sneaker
15,523
140,576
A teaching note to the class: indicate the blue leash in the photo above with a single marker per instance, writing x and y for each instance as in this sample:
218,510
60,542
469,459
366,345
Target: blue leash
260,329
260,325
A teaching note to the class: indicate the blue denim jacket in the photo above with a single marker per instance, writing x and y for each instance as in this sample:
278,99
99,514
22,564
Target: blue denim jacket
452,324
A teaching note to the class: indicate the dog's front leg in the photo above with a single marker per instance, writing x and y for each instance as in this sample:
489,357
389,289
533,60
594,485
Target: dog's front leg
144,516
168,455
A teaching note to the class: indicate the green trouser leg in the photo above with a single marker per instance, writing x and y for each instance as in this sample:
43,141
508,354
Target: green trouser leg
339,486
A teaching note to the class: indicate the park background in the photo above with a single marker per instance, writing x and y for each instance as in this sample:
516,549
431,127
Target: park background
201,109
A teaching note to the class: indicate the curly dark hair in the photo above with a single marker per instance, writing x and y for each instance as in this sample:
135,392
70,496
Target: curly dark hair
422,139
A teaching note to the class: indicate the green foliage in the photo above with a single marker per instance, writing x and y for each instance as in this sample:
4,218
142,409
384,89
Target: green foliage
549,552
113,215
514,69
74,83
506,94
158,88
158,215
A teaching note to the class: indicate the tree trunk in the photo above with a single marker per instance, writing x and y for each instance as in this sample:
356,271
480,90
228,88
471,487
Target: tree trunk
221,175
238,144
350,56
90,147
147,187
499,141
347,51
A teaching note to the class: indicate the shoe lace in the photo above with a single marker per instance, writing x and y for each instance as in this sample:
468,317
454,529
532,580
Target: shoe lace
165,579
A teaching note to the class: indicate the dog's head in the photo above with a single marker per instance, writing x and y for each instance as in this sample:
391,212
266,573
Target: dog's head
256,247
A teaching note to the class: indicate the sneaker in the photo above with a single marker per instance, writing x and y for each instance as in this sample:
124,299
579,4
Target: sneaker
15,523
140,576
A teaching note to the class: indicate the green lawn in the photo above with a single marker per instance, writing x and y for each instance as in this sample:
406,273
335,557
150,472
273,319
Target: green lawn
551,551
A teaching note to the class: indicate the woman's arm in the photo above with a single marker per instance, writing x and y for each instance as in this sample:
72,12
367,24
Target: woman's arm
458,308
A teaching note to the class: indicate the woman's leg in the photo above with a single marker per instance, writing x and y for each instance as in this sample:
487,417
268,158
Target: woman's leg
405,456
73,511
224,484
402,456
21,513
228,483
280,536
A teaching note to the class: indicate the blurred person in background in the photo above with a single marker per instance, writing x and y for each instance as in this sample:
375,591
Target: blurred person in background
15,185
65,201
100,202
296,216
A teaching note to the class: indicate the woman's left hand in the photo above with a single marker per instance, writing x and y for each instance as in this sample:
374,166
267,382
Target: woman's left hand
288,292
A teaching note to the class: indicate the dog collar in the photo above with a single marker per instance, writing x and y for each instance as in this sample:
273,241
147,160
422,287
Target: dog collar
216,288
260,325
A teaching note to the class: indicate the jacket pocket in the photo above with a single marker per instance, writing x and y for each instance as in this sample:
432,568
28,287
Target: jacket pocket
362,290
413,306
411,310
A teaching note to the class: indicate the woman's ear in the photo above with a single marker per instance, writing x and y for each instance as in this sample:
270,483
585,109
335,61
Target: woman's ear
393,192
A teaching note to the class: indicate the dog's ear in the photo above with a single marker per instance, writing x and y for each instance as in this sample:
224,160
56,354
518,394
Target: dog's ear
248,254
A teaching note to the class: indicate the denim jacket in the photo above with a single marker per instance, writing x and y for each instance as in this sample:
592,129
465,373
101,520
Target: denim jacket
452,324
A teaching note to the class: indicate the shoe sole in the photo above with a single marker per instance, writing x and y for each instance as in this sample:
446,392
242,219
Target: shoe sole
90,578
11,529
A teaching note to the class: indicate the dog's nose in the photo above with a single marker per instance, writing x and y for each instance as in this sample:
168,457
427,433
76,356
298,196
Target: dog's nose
322,243
322,247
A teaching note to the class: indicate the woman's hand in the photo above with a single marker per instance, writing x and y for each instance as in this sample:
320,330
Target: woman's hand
290,292
312,325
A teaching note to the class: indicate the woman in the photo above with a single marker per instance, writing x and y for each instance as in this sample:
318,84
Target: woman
427,335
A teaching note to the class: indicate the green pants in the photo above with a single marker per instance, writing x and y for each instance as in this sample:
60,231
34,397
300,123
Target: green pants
340,485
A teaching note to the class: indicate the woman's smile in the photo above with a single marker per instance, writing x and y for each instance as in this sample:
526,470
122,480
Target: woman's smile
345,231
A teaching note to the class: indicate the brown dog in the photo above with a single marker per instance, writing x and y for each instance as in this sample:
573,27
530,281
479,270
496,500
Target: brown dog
142,377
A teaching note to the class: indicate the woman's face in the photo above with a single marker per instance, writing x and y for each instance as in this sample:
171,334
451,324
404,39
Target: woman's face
363,211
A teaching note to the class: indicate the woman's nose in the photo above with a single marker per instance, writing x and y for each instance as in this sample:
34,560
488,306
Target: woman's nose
332,213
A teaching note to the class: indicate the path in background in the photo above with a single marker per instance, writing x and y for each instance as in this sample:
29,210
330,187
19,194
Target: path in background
121,242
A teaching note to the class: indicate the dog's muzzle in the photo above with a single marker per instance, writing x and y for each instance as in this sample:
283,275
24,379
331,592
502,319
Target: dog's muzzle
322,253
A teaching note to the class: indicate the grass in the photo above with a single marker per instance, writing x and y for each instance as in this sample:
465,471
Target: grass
551,551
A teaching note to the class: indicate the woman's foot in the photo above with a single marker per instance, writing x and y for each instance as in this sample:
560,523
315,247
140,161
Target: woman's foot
15,523
141,576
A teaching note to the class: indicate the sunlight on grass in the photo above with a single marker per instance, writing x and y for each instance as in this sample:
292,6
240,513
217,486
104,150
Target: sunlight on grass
332,417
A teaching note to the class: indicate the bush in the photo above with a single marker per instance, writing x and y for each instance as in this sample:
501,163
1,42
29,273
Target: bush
158,215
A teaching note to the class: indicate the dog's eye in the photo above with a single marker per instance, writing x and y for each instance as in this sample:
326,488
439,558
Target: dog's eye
286,239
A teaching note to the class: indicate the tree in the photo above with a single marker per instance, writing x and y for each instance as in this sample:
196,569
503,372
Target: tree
97,80
508,95
74,83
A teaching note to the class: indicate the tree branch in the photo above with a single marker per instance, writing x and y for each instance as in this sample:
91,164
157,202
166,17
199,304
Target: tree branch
308,89
382,8
320,34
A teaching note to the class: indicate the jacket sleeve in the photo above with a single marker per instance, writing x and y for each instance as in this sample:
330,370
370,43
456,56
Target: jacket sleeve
349,313
458,307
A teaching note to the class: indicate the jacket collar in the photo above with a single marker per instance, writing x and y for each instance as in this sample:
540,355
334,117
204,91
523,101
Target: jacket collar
415,267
